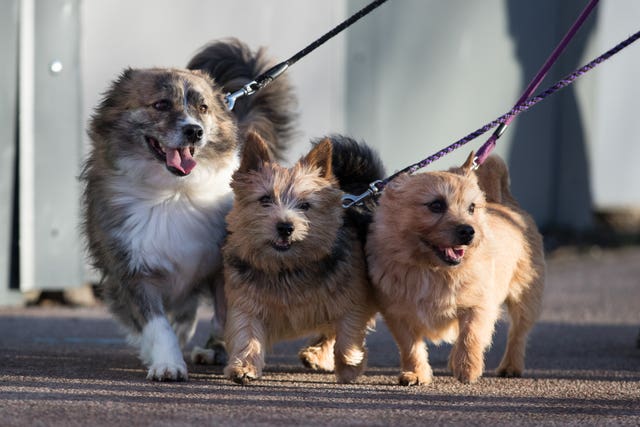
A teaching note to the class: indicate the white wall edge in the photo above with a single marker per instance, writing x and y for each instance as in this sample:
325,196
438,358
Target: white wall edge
26,129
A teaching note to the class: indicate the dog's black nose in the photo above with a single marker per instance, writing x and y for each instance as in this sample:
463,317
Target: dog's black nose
465,234
193,133
285,229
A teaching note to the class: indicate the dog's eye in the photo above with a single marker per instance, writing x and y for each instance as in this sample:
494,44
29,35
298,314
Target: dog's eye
472,208
265,201
204,108
304,206
437,206
162,105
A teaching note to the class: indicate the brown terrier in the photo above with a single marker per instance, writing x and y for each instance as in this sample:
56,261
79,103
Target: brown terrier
293,262
445,250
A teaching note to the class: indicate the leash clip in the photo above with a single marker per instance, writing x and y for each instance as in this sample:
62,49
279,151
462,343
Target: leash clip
349,200
475,165
246,90
252,87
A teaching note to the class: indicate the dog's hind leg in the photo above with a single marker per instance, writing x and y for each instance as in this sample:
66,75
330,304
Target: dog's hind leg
319,354
523,312
214,351
350,354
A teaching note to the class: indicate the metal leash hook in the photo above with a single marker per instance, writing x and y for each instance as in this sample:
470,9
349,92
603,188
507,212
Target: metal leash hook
349,200
475,165
252,87
271,74
246,90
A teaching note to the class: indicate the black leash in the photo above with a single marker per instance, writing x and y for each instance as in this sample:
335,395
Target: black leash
274,72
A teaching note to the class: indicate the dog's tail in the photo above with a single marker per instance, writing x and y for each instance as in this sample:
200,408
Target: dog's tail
356,165
270,112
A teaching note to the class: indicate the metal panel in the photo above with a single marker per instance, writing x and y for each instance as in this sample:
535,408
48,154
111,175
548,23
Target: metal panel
50,248
8,137
616,126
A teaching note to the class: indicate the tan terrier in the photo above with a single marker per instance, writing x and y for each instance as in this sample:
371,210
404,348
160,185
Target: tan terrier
445,250
293,262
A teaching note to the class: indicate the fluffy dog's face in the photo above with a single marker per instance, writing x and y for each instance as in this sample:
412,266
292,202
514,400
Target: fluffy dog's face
169,119
437,216
291,215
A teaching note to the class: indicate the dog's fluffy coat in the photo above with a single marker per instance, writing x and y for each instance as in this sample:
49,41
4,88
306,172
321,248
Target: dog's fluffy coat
293,261
164,147
443,257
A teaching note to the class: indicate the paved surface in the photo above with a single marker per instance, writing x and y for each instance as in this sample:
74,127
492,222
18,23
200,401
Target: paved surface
67,367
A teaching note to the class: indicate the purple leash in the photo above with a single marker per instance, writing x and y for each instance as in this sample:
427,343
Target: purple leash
376,187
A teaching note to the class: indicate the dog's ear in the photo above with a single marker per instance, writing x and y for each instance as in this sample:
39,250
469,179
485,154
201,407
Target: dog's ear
469,164
254,153
320,157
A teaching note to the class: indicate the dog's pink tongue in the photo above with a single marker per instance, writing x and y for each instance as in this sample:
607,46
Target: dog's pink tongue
180,159
454,253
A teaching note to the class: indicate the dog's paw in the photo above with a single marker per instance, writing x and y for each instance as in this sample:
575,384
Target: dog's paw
509,371
463,368
467,375
202,356
466,378
242,375
219,349
168,372
466,366
315,358
348,374
208,356
412,378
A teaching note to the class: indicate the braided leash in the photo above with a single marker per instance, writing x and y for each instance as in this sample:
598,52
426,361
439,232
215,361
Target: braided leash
376,187
274,72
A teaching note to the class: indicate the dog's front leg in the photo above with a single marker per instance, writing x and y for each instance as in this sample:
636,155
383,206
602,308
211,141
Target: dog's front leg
467,356
159,349
414,357
246,339
141,304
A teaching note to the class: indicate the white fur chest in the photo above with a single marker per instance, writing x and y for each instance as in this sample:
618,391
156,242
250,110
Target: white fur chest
174,226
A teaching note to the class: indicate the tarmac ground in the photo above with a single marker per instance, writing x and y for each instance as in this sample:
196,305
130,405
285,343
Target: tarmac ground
62,366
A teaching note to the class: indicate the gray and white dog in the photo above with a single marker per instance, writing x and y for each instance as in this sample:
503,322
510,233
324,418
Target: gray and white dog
164,147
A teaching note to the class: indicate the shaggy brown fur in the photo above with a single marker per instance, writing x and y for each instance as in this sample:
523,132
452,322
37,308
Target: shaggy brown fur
293,266
443,259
